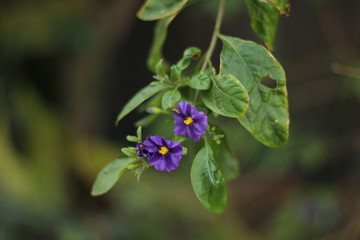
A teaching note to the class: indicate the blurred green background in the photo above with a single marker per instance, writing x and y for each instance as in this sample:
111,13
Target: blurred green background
67,68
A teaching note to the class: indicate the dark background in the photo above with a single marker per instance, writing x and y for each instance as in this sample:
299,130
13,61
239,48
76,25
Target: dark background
68,66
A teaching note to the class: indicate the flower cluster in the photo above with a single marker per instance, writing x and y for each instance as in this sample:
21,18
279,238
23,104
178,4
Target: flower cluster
165,155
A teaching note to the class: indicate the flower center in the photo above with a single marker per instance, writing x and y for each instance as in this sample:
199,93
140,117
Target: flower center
163,150
188,121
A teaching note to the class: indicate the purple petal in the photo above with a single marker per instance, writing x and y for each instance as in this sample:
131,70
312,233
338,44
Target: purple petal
201,118
181,130
158,161
173,162
198,129
191,134
172,145
159,141
152,143
178,118
166,162
185,108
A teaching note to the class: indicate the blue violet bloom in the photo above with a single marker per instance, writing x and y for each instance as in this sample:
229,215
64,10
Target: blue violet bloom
164,155
189,122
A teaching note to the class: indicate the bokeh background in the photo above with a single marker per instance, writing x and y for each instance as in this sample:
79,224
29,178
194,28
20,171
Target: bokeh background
68,66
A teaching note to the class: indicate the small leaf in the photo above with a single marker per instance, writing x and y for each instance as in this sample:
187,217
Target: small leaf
226,96
160,33
184,150
132,138
264,20
109,175
139,133
189,53
268,117
161,69
156,9
130,151
200,81
171,98
140,97
175,73
208,183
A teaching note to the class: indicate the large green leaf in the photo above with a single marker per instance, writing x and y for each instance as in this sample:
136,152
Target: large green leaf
160,33
267,118
141,96
207,180
109,175
264,20
157,9
227,96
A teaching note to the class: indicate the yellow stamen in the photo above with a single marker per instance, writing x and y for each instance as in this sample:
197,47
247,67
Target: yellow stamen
188,121
163,150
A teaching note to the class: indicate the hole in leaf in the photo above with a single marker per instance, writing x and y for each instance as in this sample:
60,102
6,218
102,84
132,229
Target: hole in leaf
269,82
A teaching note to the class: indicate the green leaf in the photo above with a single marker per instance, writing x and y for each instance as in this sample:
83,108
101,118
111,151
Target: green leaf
176,70
208,183
160,70
170,98
264,20
109,175
139,133
200,81
140,97
175,73
189,53
160,34
132,138
129,151
282,6
267,118
226,96
157,9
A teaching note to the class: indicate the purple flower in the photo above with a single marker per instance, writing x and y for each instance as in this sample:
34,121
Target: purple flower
164,155
189,121
142,152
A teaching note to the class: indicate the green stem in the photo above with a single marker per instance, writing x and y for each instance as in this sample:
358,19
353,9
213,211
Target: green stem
209,52
219,18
